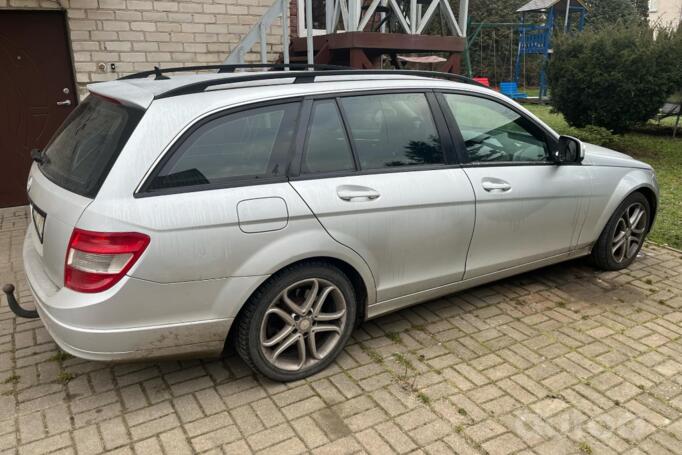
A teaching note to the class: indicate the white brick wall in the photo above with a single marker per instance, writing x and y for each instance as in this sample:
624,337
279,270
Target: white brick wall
136,35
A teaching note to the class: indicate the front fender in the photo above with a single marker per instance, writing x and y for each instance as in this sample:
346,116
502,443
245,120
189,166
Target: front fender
610,187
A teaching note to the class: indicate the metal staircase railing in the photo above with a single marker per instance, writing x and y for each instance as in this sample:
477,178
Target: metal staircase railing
259,34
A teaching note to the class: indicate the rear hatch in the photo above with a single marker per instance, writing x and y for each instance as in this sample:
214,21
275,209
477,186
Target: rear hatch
71,170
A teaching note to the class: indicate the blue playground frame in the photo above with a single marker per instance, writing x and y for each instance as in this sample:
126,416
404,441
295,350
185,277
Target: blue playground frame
536,39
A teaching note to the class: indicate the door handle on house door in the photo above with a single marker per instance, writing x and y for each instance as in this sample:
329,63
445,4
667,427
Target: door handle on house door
495,185
354,193
64,103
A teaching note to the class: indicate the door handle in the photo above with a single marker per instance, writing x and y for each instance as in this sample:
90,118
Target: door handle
353,193
496,186
64,103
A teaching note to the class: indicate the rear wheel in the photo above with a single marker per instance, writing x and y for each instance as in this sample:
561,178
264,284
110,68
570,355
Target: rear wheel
624,234
298,322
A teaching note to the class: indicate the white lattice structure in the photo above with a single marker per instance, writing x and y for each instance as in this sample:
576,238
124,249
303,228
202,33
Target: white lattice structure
341,16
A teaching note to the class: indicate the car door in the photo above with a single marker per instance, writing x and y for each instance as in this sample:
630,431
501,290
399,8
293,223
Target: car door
373,170
527,207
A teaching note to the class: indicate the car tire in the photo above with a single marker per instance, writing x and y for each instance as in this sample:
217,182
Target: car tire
297,322
622,238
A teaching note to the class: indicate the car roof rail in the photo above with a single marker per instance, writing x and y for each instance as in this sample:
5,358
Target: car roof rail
158,72
306,77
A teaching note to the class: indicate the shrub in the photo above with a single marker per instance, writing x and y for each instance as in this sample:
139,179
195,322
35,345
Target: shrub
614,77
605,12
597,135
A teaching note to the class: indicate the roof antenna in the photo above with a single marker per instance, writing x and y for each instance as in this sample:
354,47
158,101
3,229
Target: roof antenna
159,75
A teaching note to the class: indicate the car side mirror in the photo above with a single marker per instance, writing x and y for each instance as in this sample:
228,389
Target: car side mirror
569,150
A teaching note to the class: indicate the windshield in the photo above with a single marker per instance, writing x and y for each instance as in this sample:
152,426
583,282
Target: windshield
82,151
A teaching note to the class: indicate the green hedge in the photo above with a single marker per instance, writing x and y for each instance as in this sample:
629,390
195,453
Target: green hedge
614,77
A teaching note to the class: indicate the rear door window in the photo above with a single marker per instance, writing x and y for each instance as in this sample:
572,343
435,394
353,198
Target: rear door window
243,146
391,130
327,148
83,150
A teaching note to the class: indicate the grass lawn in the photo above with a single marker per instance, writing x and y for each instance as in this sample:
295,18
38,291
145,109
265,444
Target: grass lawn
655,146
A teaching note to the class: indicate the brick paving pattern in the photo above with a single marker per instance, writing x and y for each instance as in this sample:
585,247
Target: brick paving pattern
562,360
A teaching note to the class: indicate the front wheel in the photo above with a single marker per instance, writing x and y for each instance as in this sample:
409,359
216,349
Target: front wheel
297,322
624,235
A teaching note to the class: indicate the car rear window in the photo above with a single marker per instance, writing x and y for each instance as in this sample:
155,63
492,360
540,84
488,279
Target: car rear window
83,150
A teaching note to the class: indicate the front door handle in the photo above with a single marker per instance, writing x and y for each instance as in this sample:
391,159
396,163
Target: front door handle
495,185
64,103
355,193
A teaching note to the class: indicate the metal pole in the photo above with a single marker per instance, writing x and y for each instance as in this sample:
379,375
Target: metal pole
354,11
263,44
329,16
417,23
358,14
463,16
285,30
413,16
568,10
383,17
309,31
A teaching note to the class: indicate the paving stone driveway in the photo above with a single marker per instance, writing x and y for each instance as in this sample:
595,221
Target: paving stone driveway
562,360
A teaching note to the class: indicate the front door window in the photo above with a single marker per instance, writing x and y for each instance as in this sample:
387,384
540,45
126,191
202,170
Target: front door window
493,132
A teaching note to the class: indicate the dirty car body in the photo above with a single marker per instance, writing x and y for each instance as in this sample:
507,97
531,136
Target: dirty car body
156,218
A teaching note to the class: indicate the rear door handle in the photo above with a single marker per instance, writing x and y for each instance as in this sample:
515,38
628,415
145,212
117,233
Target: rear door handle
495,186
64,103
355,193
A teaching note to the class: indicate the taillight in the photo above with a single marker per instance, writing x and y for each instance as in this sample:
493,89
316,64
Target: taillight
95,261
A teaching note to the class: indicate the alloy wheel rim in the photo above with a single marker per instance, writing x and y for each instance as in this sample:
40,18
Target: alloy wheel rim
629,232
303,324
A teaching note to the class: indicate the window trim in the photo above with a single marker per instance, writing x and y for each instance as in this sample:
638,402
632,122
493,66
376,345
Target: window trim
349,133
450,158
459,139
234,182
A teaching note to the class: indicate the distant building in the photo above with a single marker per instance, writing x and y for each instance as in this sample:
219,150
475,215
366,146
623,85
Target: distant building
665,13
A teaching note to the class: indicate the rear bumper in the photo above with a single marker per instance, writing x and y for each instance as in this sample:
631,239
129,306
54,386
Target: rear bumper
101,326
203,338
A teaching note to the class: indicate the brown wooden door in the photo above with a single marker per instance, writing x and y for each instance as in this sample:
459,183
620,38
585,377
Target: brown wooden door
35,75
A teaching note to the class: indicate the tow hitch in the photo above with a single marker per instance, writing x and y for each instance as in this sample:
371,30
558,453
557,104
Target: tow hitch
8,289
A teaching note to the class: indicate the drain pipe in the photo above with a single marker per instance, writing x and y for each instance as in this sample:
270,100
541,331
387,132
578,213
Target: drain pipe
8,289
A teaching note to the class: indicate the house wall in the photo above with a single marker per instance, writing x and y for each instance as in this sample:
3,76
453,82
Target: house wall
666,13
135,35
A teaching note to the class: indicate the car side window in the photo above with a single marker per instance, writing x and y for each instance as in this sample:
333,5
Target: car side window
326,148
493,132
390,130
249,144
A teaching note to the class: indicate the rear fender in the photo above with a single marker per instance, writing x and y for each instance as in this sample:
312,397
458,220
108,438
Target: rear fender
301,245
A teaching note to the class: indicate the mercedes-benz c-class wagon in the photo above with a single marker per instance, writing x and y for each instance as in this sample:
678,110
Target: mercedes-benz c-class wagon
274,211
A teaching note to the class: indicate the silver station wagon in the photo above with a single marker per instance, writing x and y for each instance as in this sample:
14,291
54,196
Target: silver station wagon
273,211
